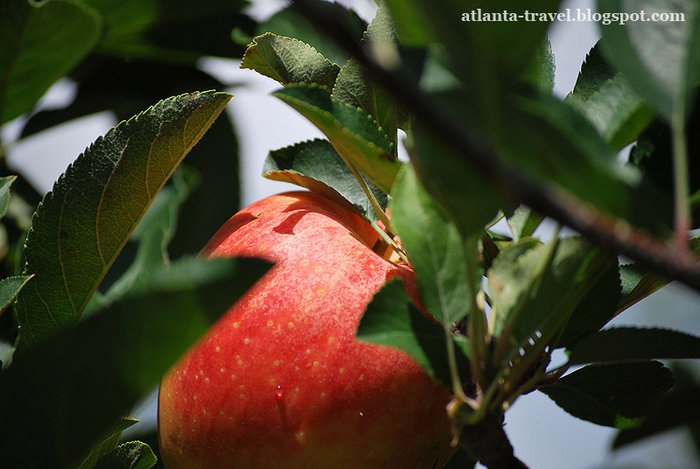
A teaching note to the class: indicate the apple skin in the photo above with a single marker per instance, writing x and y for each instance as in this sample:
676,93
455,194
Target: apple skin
280,381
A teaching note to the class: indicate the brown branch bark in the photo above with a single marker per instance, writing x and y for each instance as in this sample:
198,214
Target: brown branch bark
611,233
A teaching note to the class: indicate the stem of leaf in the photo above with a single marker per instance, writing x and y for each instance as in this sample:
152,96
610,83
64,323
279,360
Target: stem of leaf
680,175
476,326
387,239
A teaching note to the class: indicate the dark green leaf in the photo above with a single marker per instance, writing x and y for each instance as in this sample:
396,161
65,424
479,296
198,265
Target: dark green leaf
174,31
460,460
573,156
288,22
317,166
59,414
288,60
39,43
123,86
608,102
81,225
108,444
130,455
615,395
352,132
5,183
679,407
487,47
654,155
658,58
435,248
452,182
391,319
9,288
633,344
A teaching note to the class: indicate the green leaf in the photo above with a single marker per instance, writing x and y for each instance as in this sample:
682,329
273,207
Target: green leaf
574,157
639,282
483,54
130,455
392,320
410,22
5,183
288,61
108,444
39,43
574,291
435,248
176,31
653,154
125,88
628,343
58,414
9,288
153,235
317,166
81,225
612,394
352,87
451,181
607,100
523,222
541,72
679,408
659,58
288,22
352,132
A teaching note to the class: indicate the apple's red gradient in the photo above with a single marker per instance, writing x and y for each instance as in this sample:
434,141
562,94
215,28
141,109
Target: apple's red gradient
281,381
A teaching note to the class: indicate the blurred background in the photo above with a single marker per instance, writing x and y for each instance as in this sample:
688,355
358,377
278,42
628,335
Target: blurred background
543,435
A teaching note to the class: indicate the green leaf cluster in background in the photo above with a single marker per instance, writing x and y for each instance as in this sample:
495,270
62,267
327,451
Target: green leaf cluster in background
80,257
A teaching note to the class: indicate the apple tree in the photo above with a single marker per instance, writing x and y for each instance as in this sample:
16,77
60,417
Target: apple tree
102,289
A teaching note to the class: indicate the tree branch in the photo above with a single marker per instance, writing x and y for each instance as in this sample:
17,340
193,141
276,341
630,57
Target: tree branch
610,232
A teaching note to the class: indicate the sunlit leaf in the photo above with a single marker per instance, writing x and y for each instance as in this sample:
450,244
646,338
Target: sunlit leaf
288,61
352,132
288,22
317,166
81,225
129,455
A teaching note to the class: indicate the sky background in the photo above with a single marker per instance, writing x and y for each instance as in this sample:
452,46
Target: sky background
543,435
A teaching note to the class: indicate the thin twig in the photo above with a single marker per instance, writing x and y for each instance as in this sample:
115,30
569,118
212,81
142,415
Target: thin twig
610,232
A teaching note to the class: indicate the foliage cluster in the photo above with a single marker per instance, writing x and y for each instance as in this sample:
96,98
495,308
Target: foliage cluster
101,273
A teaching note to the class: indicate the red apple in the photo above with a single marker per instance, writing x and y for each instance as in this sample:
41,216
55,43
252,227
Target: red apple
281,381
